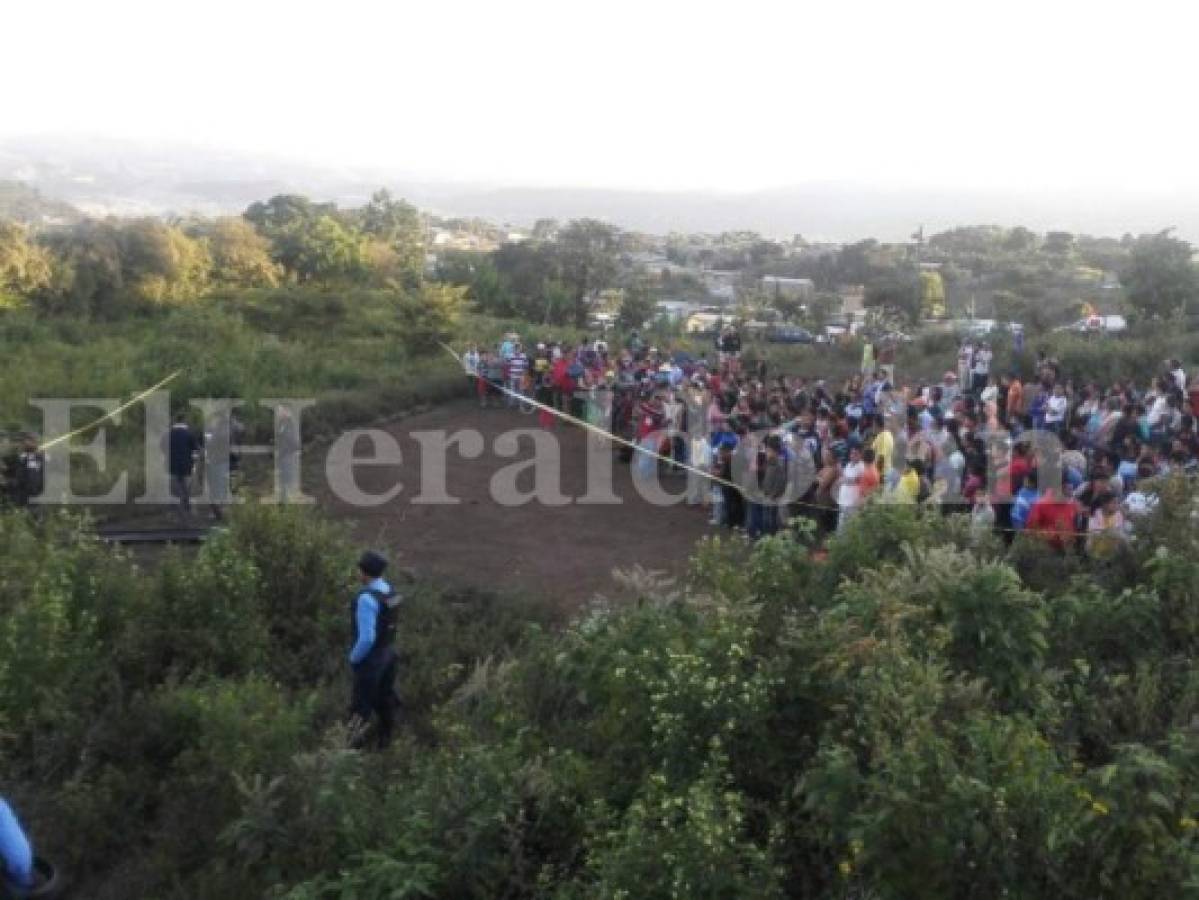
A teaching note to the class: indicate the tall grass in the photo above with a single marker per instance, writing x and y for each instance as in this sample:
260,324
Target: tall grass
345,351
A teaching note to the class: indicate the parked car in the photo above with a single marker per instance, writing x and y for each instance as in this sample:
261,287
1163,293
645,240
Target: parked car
789,334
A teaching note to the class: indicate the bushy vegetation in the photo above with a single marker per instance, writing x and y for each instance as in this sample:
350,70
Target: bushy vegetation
912,716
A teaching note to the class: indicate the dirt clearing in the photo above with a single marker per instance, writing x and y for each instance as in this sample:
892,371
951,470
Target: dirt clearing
565,551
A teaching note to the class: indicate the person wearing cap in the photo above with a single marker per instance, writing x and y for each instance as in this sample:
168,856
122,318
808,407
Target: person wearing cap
372,654
16,855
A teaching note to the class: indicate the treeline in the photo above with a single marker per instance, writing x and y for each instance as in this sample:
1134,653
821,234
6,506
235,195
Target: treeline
105,266
1012,274
554,277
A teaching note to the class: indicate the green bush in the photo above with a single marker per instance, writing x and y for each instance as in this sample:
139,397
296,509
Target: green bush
912,716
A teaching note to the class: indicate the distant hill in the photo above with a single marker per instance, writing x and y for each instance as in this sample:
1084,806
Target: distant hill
21,203
99,177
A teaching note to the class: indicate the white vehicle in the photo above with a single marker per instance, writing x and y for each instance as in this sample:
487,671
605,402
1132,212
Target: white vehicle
602,321
1097,325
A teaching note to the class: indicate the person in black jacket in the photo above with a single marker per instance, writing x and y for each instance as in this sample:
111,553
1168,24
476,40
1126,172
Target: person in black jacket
24,472
181,460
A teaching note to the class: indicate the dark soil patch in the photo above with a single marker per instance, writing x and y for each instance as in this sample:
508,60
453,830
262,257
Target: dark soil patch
567,552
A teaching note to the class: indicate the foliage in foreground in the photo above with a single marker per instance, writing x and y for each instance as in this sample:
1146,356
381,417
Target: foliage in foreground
911,717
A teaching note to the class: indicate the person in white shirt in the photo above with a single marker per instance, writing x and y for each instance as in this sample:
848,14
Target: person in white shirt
965,364
849,495
673,410
1179,375
981,368
699,487
991,392
470,363
1055,410
1161,403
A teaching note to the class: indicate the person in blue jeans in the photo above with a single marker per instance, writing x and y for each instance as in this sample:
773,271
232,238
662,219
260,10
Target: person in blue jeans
16,856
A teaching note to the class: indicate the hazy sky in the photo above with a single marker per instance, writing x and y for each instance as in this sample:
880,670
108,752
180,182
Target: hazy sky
729,95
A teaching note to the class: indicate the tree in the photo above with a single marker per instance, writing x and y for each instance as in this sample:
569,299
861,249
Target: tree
545,229
283,211
1009,306
1160,277
636,307
25,267
822,307
397,226
761,252
557,302
326,250
307,238
899,294
790,306
932,295
1059,243
1020,240
1105,254
429,314
89,275
524,271
586,249
160,263
241,257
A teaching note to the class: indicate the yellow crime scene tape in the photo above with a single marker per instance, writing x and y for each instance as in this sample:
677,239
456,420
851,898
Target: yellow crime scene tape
62,438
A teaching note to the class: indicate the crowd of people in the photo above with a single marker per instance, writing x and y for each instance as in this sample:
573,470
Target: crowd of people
1072,462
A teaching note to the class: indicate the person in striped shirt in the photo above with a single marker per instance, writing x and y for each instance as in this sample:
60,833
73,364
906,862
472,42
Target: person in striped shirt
517,366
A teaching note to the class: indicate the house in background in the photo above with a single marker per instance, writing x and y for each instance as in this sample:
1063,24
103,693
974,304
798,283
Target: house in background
677,310
777,286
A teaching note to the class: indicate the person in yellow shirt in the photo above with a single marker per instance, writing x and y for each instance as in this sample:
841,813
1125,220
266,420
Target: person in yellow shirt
884,449
911,487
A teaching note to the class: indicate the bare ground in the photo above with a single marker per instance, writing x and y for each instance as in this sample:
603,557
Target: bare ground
567,551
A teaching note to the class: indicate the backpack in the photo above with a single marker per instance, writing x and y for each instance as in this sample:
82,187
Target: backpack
385,623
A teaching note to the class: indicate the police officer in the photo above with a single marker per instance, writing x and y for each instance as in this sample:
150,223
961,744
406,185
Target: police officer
372,655
16,857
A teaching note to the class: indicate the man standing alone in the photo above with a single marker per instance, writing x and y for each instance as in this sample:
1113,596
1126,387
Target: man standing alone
372,656
181,460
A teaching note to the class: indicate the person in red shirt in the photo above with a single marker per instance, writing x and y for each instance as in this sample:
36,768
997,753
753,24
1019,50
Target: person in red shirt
1018,468
649,423
868,482
715,383
1054,518
558,378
